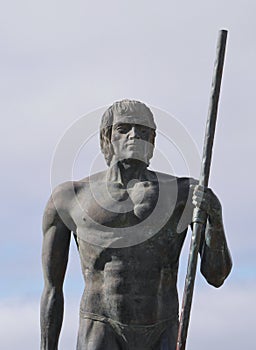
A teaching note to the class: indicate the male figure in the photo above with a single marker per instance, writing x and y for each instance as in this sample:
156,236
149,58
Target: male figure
129,224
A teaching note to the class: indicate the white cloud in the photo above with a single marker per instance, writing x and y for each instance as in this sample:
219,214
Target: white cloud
19,325
223,319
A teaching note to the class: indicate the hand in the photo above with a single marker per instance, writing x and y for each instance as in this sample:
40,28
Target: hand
206,200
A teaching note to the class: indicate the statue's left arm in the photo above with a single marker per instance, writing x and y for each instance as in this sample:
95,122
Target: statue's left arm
216,261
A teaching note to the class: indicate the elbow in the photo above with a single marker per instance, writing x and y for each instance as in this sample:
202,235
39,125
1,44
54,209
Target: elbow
216,277
215,282
52,292
216,269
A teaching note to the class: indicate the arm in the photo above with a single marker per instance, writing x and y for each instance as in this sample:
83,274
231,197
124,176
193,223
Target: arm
216,261
55,251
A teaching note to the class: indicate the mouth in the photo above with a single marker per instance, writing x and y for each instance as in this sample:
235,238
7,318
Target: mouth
133,147
132,144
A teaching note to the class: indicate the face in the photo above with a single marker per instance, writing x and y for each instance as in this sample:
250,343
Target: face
130,139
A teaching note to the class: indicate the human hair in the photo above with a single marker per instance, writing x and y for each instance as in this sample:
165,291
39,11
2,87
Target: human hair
124,107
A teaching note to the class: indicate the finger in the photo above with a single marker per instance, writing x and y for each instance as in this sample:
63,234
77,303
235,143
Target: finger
198,195
200,188
200,203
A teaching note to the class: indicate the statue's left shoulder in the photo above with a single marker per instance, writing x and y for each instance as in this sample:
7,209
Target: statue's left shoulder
163,177
182,182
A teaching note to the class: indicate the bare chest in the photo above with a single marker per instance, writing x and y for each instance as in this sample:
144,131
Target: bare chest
112,205
108,214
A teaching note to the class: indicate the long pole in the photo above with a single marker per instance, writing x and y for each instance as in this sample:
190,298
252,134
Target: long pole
199,216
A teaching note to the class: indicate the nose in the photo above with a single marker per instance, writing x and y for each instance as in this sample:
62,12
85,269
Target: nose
133,133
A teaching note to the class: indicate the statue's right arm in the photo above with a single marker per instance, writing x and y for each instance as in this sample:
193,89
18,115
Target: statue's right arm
56,241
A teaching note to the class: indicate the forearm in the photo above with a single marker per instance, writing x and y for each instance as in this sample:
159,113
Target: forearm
215,257
216,261
51,317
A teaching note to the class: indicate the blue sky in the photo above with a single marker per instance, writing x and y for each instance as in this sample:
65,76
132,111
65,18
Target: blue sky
62,60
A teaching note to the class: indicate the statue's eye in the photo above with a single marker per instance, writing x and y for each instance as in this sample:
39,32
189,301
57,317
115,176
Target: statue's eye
122,128
143,130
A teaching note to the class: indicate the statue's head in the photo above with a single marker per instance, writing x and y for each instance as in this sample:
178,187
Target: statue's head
126,112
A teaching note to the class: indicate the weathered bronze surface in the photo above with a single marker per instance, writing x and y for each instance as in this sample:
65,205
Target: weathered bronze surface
129,224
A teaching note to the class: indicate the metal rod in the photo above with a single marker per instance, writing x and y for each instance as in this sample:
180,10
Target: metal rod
199,217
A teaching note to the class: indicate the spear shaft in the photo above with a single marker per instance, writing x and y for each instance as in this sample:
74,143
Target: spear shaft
199,216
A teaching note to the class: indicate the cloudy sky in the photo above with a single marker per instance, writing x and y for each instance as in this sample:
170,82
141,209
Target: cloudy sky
61,61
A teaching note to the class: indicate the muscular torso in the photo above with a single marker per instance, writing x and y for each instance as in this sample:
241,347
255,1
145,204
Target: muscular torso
131,280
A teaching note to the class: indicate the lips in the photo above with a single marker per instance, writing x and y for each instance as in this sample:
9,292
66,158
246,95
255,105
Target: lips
132,144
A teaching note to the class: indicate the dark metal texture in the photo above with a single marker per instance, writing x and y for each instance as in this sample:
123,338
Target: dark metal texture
199,217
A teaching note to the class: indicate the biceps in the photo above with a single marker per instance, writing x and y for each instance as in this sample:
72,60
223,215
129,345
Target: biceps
55,254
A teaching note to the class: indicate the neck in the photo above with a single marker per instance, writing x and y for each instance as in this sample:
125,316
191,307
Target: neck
126,170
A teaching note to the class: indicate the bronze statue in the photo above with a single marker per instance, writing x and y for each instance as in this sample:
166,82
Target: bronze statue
129,224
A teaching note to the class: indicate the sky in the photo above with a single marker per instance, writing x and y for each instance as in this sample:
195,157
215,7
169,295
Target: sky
64,62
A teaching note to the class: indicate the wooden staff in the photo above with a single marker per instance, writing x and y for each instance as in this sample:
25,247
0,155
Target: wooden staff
199,216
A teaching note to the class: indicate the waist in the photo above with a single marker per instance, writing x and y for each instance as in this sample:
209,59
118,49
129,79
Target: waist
131,309
173,319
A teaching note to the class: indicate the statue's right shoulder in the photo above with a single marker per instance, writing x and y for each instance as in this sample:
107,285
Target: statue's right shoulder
66,193
59,204
93,178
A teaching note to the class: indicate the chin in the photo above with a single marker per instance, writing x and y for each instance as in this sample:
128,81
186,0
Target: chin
137,159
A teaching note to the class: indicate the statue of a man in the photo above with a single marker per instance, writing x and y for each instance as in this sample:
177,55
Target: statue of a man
129,224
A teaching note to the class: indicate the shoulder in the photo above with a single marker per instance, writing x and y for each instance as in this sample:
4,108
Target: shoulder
94,178
63,198
184,189
182,182
176,185
185,182
63,194
58,206
164,177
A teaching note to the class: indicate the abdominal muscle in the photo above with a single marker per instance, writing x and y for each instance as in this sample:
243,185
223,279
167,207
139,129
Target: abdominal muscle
130,293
